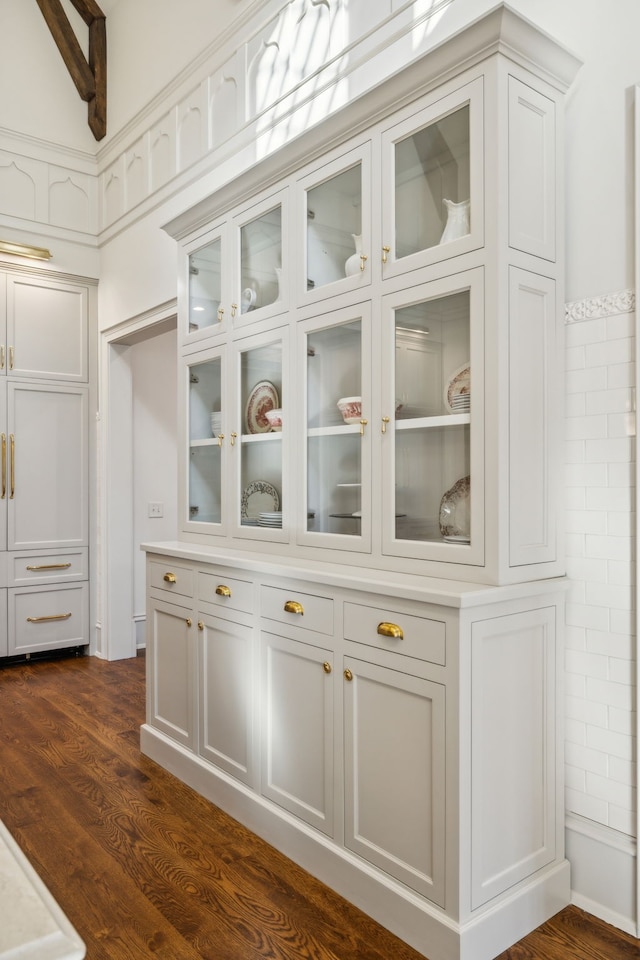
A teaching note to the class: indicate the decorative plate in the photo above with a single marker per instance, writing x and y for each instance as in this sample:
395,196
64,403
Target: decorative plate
455,515
459,385
263,397
258,497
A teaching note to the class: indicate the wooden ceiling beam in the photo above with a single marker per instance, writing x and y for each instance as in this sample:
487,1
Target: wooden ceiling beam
89,77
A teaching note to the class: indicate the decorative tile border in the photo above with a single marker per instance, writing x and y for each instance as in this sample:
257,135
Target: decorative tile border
594,308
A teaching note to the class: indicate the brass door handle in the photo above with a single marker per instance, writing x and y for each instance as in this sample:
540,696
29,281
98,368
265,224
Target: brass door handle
363,260
234,307
11,357
385,421
48,566
53,616
223,591
170,578
220,439
292,606
390,630
233,439
363,424
12,452
220,314
385,253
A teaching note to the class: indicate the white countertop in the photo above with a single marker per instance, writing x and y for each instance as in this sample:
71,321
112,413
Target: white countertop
32,925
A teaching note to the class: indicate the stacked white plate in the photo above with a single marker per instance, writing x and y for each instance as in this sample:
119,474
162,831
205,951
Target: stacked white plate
270,518
216,422
461,403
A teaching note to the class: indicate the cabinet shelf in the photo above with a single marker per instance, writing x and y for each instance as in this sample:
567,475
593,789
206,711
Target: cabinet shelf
337,431
261,437
429,423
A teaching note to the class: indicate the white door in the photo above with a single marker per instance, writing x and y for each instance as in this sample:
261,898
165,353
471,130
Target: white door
394,774
47,473
227,696
297,748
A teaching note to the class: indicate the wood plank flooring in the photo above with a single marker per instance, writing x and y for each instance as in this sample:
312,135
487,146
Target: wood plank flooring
145,867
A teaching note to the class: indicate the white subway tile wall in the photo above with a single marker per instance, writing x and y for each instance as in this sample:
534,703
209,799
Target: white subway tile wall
600,648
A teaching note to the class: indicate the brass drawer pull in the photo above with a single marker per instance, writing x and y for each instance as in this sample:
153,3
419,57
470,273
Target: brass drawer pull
170,578
292,606
390,630
223,591
54,616
48,566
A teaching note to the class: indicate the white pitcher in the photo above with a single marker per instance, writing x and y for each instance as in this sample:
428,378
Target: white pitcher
457,224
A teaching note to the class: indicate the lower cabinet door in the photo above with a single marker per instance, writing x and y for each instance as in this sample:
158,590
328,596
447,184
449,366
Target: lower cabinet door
297,729
171,666
227,696
395,774
47,618
4,647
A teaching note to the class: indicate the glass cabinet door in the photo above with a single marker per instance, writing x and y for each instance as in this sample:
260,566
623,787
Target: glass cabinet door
337,501
262,423
432,196
263,261
205,478
336,211
430,474
206,287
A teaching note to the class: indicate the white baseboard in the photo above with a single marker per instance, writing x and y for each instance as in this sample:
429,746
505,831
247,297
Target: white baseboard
603,872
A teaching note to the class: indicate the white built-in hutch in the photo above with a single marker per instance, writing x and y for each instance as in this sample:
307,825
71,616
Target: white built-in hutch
354,647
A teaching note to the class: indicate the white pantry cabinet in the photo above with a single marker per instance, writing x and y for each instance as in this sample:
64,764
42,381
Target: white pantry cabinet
44,462
393,641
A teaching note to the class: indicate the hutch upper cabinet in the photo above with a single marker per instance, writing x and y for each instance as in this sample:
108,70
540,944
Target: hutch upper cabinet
398,301
355,644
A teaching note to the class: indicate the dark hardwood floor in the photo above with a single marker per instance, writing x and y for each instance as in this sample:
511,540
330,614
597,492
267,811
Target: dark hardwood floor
145,867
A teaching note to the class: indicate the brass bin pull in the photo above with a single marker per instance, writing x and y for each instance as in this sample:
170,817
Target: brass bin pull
390,630
170,578
4,465
54,616
223,591
48,566
292,606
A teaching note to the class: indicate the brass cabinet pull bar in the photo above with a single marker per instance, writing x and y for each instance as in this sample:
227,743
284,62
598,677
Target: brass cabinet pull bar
48,566
54,616
11,358
363,424
2,356
170,577
292,606
385,421
223,591
390,630
12,451
4,465
385,253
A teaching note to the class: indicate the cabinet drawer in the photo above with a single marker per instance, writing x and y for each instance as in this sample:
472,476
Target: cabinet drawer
48,618
225,592
420,638
314,613
171,578
33,568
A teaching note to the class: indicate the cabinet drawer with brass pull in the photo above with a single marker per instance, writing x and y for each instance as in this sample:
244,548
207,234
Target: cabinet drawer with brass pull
47,617
394,630
169,577
32,568
305,610
225,592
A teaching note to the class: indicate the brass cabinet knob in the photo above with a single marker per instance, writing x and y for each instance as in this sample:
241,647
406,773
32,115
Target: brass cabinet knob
170,578
200,625
223,591
348,675
326,666
390,630
188,621
292,606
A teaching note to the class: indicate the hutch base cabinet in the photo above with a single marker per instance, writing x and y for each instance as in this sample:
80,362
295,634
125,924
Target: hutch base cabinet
396,736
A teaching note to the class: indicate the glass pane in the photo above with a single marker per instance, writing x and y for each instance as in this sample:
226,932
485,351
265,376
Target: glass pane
432,185
334,467
261,459
205,277
433,416
205,422
334,228
261,261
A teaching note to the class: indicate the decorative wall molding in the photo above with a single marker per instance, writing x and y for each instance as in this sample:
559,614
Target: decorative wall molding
595,308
